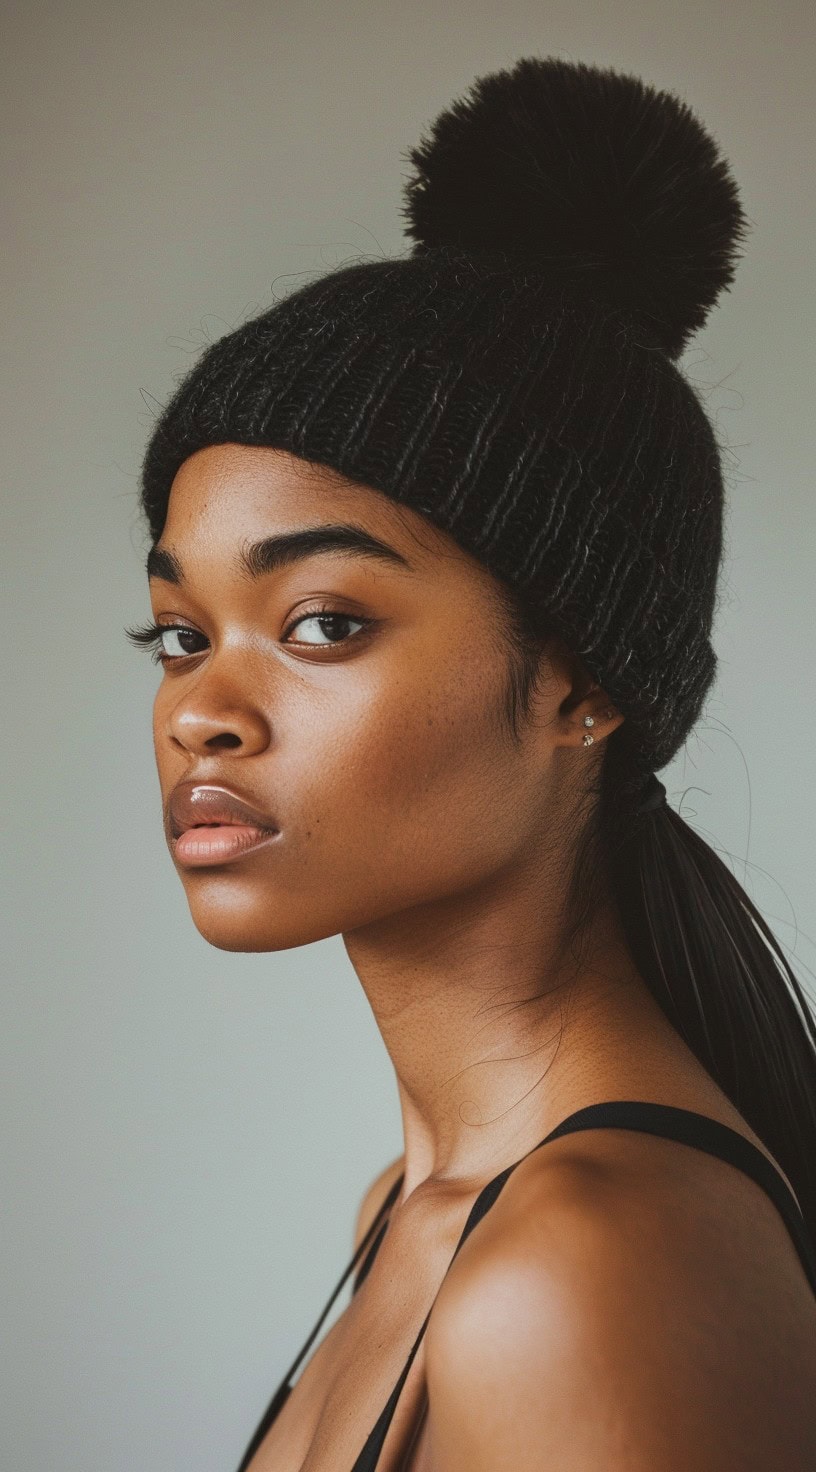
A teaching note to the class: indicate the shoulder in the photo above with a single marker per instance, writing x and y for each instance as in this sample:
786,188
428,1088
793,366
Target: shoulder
598,1318
373,1197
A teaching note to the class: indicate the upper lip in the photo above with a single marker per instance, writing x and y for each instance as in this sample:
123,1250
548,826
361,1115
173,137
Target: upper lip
194,803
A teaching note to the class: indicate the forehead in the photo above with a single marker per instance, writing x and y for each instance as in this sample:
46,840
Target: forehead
229,502
234,491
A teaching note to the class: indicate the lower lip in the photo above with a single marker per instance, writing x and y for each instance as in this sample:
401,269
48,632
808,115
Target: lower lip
197,847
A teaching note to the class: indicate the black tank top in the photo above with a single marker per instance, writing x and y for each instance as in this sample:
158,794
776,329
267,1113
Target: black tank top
667,1120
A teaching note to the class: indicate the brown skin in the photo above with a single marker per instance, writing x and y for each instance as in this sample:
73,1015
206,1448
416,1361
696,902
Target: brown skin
413,824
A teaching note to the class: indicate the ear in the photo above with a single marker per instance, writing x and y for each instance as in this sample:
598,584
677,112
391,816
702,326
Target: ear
585,710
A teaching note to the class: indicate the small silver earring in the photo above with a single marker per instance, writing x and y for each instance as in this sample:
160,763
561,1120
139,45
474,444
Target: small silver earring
589,720
588,739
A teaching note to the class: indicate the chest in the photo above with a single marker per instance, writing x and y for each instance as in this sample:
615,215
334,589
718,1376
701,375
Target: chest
339,1396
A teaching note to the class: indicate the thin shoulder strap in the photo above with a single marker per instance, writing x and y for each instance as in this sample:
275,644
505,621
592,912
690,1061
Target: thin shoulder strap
370,1454
684,1125
368,1261
285,1387
710,1135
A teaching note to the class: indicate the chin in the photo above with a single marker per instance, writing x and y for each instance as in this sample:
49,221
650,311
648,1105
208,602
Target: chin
231,921
272,917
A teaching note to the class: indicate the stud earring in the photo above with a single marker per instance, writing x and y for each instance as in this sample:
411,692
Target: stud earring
588,721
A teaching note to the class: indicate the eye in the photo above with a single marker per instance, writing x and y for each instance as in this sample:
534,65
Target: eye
152,636
330,619
331,624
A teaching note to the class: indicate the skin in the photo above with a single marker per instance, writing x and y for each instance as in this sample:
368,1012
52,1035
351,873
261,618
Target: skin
414,825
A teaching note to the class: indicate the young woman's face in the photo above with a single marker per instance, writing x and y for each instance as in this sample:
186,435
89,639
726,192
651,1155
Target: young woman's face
354,700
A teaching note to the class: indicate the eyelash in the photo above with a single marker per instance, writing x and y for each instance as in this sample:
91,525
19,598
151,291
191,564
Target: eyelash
149,636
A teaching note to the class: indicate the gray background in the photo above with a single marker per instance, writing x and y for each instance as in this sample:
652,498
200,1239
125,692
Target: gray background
187,1131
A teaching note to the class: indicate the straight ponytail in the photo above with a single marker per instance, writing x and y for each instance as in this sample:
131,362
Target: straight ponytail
701,945
721,977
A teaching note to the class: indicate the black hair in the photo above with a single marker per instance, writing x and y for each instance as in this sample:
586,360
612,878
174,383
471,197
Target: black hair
697,939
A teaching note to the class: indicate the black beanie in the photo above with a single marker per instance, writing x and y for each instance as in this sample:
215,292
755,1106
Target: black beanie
513,377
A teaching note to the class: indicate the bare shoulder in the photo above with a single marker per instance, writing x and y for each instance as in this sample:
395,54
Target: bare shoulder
374,1196
623,1307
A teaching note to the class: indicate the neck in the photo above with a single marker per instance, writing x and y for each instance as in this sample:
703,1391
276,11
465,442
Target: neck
492,1034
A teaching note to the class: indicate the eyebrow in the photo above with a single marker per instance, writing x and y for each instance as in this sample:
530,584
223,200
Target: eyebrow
270,553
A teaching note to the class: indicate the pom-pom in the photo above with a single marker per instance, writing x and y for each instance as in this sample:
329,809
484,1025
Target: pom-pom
590,175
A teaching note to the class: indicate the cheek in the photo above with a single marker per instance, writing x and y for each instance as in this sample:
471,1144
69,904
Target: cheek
425,775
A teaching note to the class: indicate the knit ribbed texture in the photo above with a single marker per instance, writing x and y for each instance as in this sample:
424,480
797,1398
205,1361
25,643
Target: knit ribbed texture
541,428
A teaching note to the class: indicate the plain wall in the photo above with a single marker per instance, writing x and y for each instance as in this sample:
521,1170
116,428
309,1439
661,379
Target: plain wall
188,1132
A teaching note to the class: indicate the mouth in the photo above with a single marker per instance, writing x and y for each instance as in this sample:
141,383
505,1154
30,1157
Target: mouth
212,825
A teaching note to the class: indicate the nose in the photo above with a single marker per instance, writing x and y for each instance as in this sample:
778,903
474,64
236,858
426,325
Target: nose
202,722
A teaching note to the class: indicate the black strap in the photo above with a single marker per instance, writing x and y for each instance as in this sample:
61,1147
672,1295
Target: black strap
370,1454
285,1387
666,1120
704,1133
365,1266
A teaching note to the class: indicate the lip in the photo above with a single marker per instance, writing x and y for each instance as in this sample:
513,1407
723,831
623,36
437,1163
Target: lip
211,824
198,848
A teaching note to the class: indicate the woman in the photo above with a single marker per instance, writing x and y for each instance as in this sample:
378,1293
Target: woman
435,545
